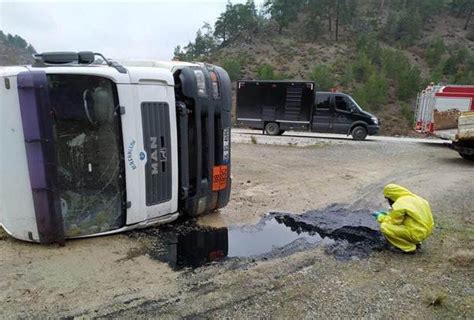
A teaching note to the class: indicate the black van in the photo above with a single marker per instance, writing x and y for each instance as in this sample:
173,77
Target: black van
276,106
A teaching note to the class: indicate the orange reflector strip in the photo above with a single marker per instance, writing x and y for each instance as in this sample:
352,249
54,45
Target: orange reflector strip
219,177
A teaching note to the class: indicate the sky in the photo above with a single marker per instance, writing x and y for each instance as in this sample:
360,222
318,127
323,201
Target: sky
121,30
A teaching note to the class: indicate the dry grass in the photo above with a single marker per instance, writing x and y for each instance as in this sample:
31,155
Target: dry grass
437,299
462,258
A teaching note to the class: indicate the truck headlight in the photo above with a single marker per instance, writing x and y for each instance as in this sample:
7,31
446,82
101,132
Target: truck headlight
200,82
215,85
375,120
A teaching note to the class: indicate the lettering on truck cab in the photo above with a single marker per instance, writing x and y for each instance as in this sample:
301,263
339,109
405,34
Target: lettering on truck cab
157,158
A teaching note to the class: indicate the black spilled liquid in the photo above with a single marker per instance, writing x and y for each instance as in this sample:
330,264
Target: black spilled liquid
272,233
344,234
196,246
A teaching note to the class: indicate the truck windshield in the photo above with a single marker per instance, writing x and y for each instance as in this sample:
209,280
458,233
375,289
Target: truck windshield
89,147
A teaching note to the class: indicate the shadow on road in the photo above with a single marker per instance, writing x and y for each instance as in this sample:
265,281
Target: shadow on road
456,160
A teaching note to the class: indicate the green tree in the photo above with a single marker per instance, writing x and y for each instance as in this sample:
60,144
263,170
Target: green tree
234,20
362,68
17,41
392,61
377,89
408,82
426,8
458,67
336,12
233,68
314,26
179,54
374,92
265,72
369,44
463,8
450,66
30,49
435,51
204,42
201,48
404,27
283,11
319,11
323,76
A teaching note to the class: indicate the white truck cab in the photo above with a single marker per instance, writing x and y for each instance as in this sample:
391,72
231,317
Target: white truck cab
91,149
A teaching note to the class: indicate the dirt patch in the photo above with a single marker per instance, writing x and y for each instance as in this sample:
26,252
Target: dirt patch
110,277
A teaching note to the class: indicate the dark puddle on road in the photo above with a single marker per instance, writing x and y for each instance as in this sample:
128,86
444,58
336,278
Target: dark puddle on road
344,233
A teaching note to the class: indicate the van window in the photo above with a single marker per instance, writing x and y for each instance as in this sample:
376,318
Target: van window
323,102
342,103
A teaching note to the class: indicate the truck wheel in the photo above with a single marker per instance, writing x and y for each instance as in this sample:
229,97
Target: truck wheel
359,133
272,128
467,156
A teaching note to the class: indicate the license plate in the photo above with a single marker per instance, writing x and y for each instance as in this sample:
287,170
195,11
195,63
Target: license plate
226,146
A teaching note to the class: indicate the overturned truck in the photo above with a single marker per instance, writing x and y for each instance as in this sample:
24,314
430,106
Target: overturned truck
92,147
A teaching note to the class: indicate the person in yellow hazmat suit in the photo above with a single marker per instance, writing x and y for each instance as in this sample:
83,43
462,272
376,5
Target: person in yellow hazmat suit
410,220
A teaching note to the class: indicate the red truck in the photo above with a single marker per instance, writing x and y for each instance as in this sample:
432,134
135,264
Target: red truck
448,112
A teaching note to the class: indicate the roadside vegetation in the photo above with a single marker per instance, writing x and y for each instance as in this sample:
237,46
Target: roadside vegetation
16,41
382,52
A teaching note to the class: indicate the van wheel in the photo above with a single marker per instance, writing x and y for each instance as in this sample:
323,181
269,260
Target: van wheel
272,128
467,156
359,133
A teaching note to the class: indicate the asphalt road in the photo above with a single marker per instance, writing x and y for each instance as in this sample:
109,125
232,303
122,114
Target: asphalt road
309,138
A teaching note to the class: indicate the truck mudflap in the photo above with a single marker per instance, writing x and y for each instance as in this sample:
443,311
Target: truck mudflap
41,154
204,124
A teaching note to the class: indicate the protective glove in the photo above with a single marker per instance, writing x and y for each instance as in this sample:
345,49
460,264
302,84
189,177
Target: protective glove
377,214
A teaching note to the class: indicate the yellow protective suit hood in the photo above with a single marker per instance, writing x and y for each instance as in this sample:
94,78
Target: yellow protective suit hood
409,222
394,192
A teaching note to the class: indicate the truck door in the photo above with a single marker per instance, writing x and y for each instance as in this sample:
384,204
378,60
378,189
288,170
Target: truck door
323,113
150,143
342,117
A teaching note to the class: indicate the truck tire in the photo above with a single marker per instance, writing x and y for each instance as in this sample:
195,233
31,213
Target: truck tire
359,133
272,129
467,156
